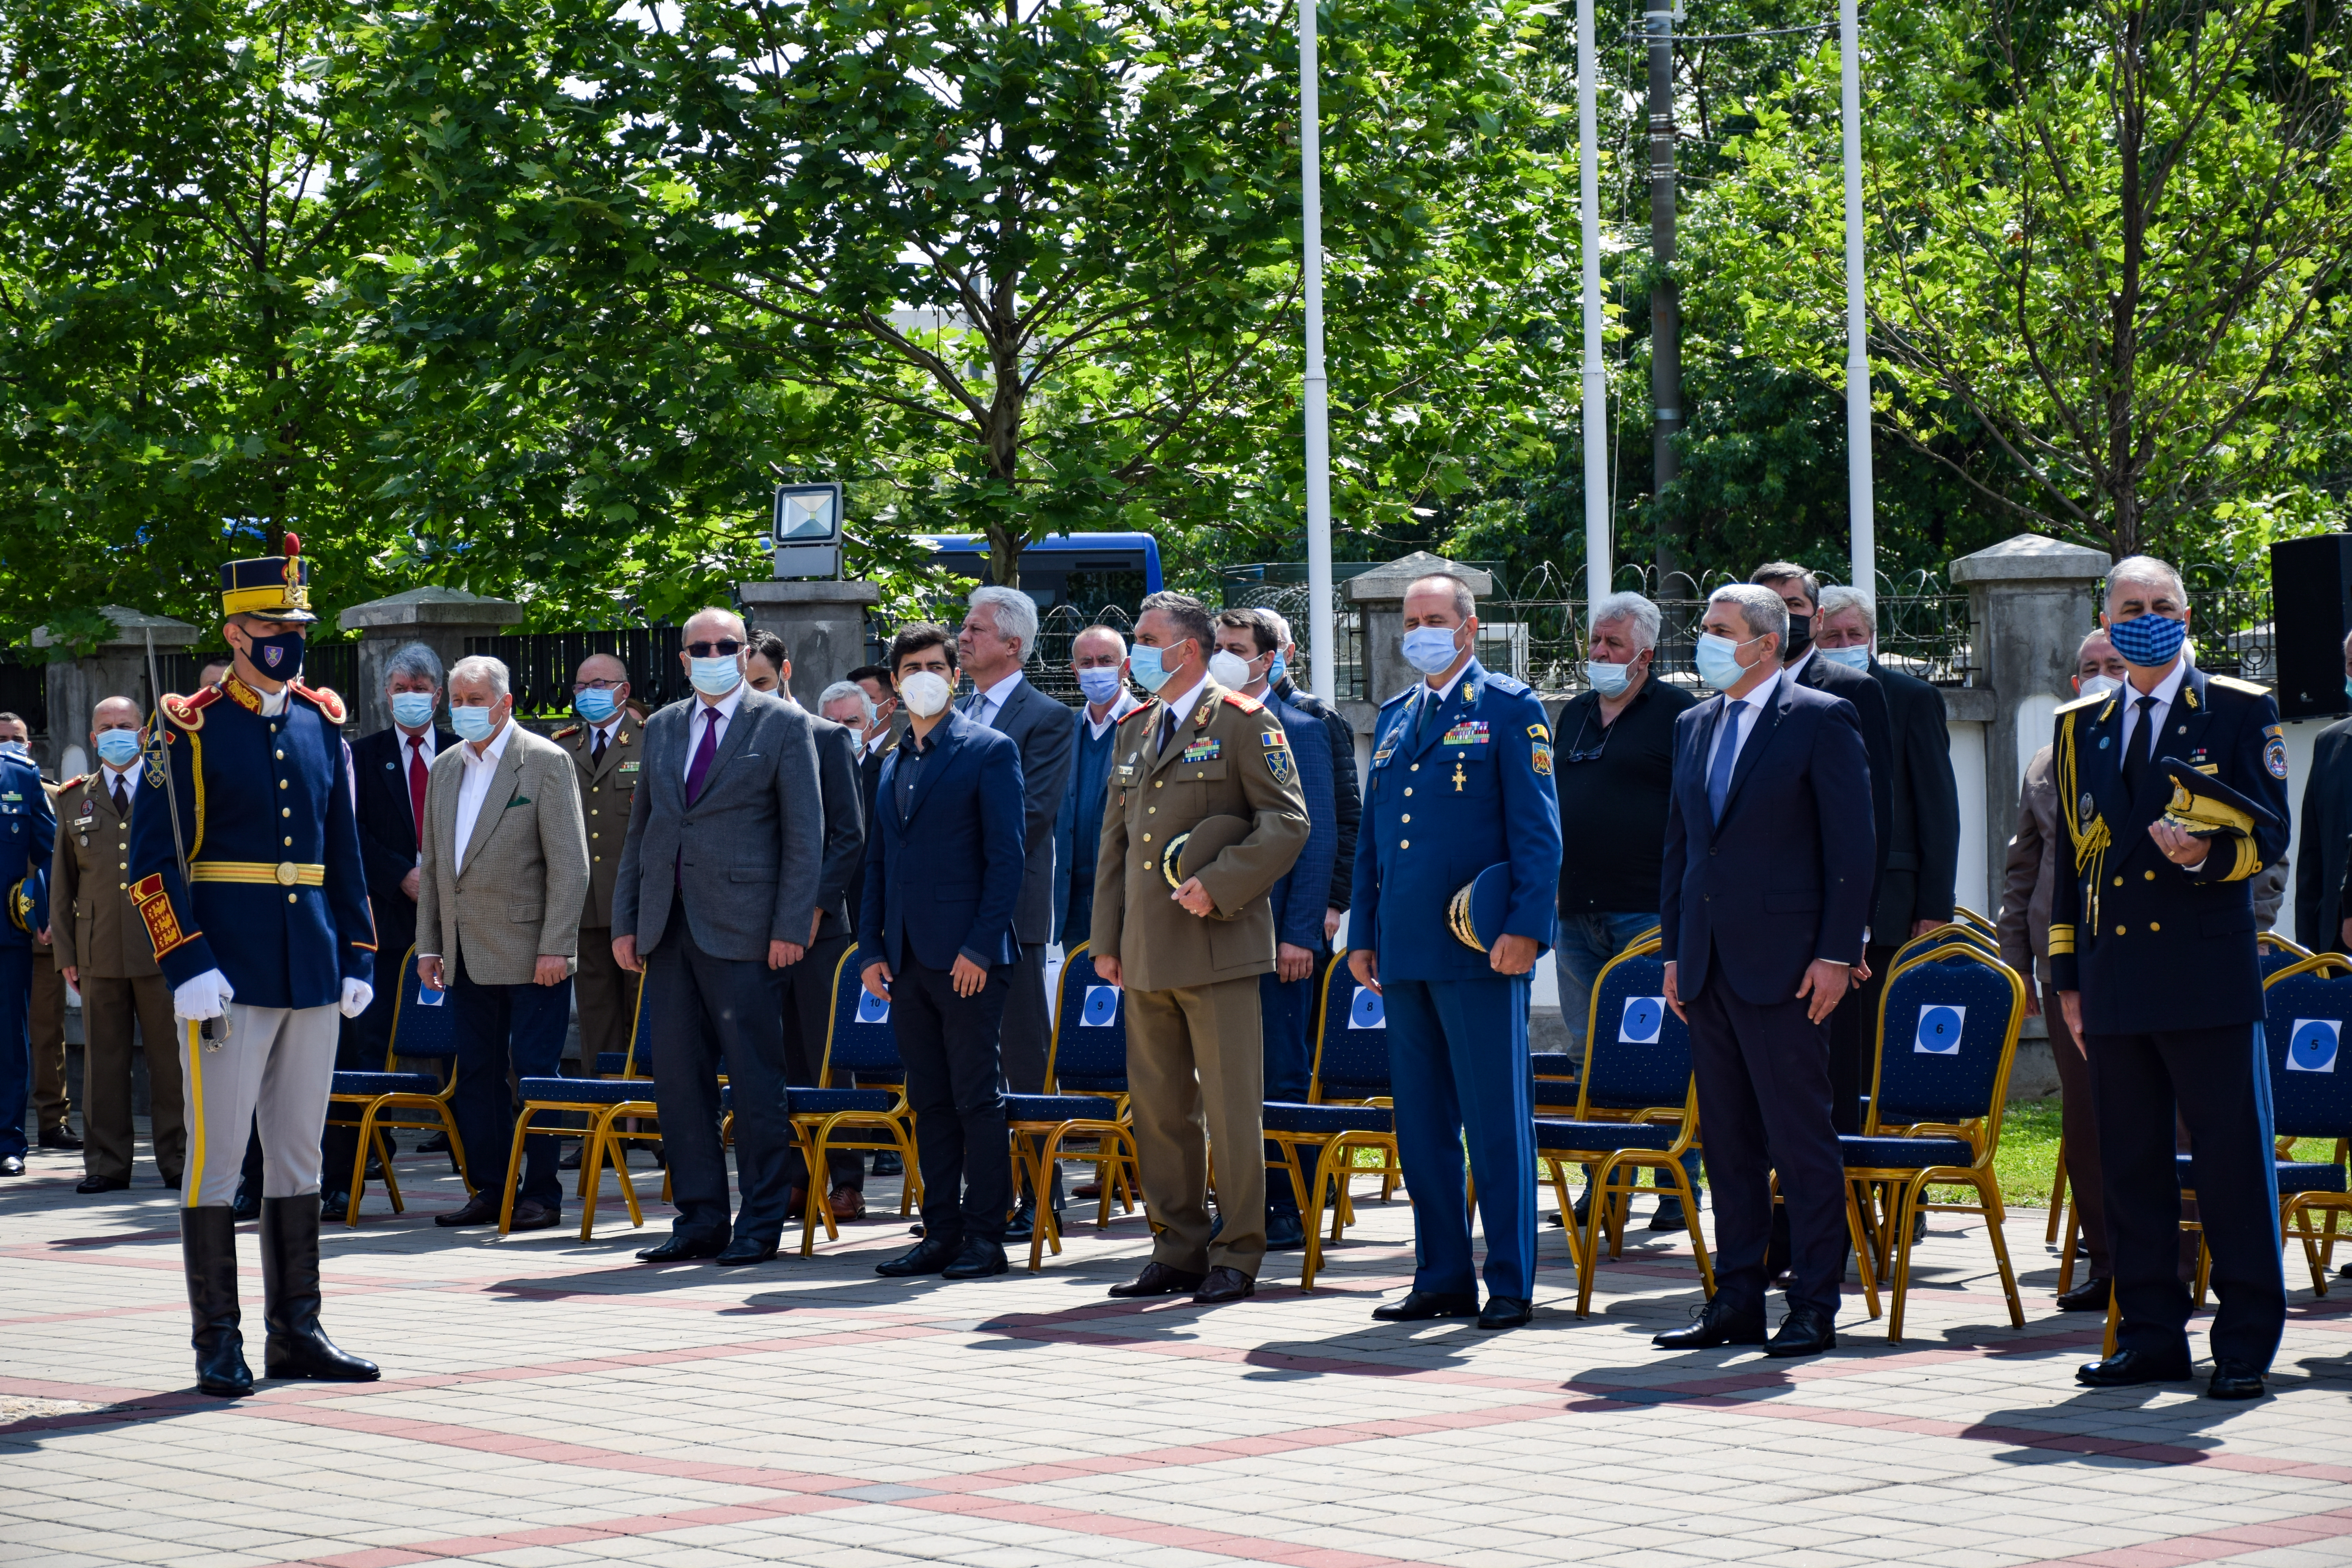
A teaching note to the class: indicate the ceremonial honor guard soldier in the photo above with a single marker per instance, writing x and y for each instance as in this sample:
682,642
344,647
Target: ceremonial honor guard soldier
2174,792
24,851
1460,793
250,887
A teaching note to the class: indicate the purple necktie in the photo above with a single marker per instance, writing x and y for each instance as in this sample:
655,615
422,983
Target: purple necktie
700,769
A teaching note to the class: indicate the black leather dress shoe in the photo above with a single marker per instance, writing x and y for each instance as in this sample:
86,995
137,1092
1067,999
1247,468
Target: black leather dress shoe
2128,1369
480,1209
60,1138
2234,1380
2090,1296
1718,1325
977,1260
1425,1305
1806,1330
12,1165
1023,1222
531,1214
1159,1279
1285,1231
745,1250
930,1256
683,1247
1224,1285
1506,1312
100,1184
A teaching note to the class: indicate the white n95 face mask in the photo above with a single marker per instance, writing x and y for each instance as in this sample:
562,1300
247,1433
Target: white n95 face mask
1229,669
925,692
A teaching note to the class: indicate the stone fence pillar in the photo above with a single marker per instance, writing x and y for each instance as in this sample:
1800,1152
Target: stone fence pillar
115,668
822,625
440,618
2030,607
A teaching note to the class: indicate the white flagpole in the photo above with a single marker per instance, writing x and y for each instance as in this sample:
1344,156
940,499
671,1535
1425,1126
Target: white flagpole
1597,544
1864,541
1324,678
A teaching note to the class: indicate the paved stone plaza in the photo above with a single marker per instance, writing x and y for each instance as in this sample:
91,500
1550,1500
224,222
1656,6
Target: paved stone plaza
546,1403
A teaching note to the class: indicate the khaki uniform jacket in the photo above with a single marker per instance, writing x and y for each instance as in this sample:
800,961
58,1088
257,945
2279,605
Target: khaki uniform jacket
606,793
1227,758
526,866
95,927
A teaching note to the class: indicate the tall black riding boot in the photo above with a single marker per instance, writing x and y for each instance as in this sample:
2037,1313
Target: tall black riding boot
208,1253
289,1274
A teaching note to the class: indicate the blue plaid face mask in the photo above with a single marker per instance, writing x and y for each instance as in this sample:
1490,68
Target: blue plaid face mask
2150,642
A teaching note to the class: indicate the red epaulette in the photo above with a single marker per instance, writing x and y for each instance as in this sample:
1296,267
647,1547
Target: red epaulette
1134,713
188,713
323,698
566,732
1246,704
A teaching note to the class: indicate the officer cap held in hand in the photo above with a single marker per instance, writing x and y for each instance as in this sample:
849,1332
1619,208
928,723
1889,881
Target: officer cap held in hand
2204,805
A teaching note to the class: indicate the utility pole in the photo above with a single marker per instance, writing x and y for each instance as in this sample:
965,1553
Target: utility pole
1666,309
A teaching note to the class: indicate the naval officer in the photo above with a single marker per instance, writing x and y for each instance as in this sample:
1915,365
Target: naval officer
1461,781
266,937
2152,956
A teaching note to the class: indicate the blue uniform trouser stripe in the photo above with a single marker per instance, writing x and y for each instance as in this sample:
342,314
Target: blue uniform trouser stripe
2218,1082
16,1045
1458,1067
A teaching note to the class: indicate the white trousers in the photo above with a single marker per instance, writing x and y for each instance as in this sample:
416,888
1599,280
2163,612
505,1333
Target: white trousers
274,1069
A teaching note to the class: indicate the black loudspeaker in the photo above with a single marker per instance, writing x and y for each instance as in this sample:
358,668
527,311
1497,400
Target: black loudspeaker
2311,609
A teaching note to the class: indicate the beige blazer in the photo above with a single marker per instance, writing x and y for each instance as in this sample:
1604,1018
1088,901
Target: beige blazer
526,868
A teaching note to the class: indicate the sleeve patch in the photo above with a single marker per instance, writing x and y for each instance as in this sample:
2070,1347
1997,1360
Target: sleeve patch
164,932
2274,756
1542,755
1539,733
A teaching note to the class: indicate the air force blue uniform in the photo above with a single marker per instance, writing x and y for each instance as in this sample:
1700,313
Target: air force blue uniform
1458,784
24,850
2171,995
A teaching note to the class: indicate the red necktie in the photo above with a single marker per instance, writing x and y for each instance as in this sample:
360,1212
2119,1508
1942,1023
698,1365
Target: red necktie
417,776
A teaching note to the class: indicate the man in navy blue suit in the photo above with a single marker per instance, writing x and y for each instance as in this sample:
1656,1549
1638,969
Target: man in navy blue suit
1763,900
944,862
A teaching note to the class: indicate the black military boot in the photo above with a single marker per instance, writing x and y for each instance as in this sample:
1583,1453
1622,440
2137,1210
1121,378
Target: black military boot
208,1253
289,1274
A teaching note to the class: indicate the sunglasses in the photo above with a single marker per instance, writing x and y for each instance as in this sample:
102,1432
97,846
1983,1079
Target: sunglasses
725,648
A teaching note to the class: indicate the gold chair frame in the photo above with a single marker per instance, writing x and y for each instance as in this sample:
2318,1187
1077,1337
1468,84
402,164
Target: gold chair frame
814,1135
1333,1147
601,1140
372,1120
1036,1147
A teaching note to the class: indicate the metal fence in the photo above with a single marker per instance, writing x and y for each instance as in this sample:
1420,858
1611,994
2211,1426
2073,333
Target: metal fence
539,664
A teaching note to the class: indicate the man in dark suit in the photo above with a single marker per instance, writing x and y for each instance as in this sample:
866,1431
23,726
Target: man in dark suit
1098,660
1347,797
1800,591
943,875
389,769
1763,897
846,703
717,886
874,740
996,640
2320,922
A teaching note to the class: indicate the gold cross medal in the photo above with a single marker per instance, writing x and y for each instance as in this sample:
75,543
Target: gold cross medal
1460,778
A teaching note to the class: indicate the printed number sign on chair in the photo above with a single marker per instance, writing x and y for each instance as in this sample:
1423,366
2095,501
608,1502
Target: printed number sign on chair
2307,1008
1347,1108
1948,1024
614,1108
839,1112
422,1026
1084,1009
1637,1106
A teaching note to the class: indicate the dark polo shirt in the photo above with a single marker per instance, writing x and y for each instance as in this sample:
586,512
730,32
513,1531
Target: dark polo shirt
1614,780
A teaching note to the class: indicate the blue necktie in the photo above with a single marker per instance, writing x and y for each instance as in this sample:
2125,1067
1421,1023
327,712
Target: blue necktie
1727,751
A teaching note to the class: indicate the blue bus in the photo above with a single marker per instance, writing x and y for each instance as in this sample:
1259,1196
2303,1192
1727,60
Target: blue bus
1085,570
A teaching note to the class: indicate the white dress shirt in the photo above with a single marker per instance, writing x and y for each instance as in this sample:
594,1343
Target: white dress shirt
993,700
2166,692
474,776
1183,705
1441,695
128,778
1742,713
273,703
1120,708
725,708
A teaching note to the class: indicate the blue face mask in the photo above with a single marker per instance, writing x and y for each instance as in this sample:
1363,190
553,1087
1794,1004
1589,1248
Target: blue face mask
279,657
716,676
595,706
1609,680
1719,662
1100,684
1430,649
120,747
412,709
2150,642
1851,657
1277,670
471,723
1150,665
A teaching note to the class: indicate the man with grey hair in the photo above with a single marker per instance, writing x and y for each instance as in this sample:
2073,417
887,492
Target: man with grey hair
505,867
1764,895
996,640
607,752
1615,766
1098,661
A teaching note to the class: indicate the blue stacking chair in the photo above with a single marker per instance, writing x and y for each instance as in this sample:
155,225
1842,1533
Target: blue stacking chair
1636,1105
1347,1109
1039,1123
2307,1008
423,1025
1948,1024
2275,952
605,1102
839,1112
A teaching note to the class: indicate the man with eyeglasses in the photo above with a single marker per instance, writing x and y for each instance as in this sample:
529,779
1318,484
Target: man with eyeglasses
607,750
711,903
1615,772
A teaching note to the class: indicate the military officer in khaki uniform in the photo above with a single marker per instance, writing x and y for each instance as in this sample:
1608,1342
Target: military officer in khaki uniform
607,752
102,950
1189,959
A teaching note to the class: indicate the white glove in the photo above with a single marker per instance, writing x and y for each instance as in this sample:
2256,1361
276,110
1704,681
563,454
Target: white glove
205,996
357,994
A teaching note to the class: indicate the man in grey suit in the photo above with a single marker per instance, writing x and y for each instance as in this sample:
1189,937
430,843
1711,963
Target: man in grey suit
717,889
998,637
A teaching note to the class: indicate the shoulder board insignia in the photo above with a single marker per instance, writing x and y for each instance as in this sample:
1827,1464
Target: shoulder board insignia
2231,683
1135,713
330,706
2082,702
1400,697
64,784
1509,686
1246,704
566,732
188,713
